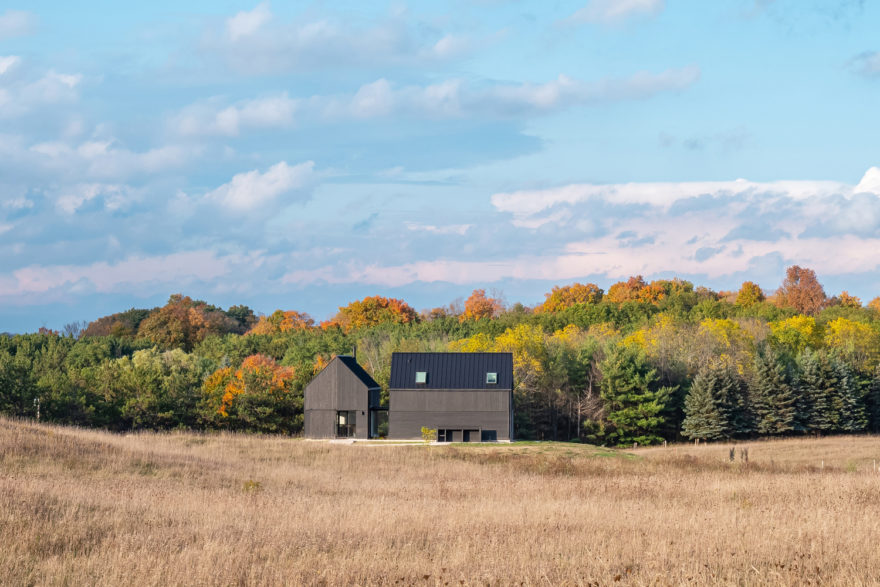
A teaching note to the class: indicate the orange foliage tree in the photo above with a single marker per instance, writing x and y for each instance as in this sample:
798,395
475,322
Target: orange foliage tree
259,395
371,311
626,291
801,290
561,298
281,321
847,301
479,306
184,322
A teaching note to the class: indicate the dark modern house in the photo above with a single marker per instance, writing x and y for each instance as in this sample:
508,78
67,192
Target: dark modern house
342,401
466,397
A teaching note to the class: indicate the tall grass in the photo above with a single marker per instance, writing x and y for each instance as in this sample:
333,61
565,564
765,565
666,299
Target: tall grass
85,507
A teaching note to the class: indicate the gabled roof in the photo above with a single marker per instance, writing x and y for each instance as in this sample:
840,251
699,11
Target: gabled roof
451,370
358,371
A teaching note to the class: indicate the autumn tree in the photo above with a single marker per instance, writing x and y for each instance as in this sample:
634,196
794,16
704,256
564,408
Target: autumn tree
184,322
371,311
875,304
280,321
121,324
626,291
801,290
561,298
478,306
749,294
845,300
260,395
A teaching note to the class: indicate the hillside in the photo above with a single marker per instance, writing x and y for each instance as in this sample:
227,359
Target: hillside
86,507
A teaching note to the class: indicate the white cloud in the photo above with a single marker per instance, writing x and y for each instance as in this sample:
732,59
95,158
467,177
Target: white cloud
15,23
255,42
211,119
454,98
245,24
716,229
8,62
870,182
104,159
527,205
251,189
615,11
73,198
867,63
460,229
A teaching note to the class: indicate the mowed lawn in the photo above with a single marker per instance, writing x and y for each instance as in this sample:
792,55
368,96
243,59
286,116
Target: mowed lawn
83,507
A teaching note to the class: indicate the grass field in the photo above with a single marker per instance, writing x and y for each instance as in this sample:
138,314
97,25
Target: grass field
82,507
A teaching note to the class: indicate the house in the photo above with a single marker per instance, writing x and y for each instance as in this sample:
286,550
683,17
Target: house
342,401
466,397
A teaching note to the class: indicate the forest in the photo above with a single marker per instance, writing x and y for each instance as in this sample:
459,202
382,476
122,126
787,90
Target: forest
641,363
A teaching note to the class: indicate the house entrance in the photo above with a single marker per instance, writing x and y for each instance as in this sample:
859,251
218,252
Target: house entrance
345,424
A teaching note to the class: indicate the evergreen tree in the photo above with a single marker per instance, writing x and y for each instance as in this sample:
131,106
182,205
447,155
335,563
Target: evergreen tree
705,416
740,418
872,402
634,401
773,397
818,385
852,405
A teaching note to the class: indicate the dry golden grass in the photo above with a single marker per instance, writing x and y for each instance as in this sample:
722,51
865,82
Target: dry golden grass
82,507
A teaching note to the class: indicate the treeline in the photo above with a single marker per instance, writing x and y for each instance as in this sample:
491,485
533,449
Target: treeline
637,364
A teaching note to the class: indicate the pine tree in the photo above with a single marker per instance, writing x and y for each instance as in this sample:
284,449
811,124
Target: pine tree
852,405
818,385
737,405
872,401
773,398
705,415
634,402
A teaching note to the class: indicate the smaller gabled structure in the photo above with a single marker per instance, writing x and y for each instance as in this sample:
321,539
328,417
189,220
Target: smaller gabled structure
343,401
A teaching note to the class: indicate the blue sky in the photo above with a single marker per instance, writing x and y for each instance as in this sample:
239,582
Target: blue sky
303,155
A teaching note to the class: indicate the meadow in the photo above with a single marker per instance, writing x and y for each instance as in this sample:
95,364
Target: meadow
89,507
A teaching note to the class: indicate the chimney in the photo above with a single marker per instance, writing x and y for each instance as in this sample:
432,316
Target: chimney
354,351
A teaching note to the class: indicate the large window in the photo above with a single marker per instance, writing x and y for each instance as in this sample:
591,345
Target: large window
345,424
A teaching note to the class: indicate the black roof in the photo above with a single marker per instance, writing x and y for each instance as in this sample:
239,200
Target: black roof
451,370
358,371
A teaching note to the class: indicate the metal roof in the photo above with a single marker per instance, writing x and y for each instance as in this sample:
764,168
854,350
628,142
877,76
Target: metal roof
358,371
451,370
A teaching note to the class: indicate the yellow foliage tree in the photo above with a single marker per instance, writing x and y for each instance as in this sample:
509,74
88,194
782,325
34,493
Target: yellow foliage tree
797,333
855,340
749,294
371,311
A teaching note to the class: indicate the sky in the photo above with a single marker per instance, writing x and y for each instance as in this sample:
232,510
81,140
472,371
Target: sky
302,155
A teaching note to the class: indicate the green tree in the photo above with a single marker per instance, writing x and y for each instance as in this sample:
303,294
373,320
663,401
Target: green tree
705,416
634,401
773,398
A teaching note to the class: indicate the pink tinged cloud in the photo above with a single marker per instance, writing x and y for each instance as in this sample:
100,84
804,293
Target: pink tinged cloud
176,269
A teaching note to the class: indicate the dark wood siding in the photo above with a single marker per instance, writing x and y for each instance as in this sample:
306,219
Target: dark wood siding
335,388
480,409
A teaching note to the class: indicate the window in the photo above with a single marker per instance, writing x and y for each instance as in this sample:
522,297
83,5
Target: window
421,376
488,436
491,377
345,424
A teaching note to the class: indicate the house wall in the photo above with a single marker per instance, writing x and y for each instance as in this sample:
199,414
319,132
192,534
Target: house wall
334,389
411,409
